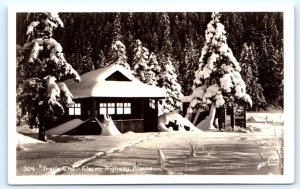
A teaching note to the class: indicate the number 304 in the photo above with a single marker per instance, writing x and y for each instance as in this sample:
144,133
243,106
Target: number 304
28,168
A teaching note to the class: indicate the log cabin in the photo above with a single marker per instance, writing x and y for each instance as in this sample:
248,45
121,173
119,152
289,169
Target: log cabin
114,91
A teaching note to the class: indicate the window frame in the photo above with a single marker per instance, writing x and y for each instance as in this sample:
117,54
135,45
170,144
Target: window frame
115,108
103,106
127,106
75,109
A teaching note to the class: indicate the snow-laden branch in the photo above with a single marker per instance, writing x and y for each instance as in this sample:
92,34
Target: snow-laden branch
52,20
65,91
53,93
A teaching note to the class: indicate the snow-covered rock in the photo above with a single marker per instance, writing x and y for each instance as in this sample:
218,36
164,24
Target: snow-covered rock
174,118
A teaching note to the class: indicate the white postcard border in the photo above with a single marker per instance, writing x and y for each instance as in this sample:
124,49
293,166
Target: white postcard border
289,98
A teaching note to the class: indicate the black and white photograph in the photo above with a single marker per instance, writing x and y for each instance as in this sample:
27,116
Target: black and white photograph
151,94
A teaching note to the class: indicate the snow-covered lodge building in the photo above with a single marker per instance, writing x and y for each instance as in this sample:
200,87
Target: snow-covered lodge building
114,91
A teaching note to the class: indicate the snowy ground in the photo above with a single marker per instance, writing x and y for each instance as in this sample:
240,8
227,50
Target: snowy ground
215,153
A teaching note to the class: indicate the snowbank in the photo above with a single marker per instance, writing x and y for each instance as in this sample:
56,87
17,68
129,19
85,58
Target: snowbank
22,139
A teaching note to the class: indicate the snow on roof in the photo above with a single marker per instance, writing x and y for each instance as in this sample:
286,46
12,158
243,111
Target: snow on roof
93,84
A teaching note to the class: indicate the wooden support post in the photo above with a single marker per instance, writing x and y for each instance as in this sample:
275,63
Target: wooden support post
232,118
219,115
94,110
224,115
42,122
245,123
156,112
42,132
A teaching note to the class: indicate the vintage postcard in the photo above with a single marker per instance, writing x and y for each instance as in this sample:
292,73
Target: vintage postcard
179,94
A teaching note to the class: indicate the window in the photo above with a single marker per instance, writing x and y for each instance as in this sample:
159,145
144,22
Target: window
107,108
110,108
103,107
118,108
127,108
117,76
75,109
152,104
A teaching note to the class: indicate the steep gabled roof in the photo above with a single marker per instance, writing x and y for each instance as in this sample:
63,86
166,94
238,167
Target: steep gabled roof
100,83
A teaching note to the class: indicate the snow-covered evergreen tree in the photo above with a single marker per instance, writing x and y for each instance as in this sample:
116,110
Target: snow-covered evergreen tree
41,93
154,70
87,63
270,72
19,57
280,99
165,33
116,28
117,54
249,72
169,83
129,37
168,76
101,61
145,67
140,61
217,82
270,65
187,67
176,42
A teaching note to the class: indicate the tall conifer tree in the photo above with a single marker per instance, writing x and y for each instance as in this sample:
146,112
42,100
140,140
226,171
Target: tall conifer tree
217,82
249,72
42,93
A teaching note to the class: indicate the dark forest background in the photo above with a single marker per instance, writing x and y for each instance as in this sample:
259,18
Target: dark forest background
87,37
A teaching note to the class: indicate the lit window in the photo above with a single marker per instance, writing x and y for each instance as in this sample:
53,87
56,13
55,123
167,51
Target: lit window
75,109
119,108
110,108
127,108
152,104
103,107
